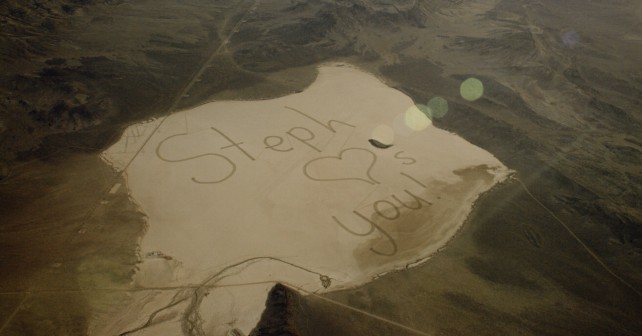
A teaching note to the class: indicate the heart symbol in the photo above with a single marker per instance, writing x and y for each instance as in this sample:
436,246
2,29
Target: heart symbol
326,162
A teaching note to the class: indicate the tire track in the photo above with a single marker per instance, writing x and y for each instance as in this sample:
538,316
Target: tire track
191,321
250,6
194,79
579,240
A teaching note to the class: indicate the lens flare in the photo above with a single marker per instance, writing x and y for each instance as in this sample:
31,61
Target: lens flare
471,89
425,110
438,106
417,117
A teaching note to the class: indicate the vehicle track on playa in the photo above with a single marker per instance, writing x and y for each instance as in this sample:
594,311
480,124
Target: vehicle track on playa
245,6
249,8
194,79
191,322
194,293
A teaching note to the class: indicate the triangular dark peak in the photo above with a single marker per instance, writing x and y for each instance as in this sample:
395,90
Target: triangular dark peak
277,318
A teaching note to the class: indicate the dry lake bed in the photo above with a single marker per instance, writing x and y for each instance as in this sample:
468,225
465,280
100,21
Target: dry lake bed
242,194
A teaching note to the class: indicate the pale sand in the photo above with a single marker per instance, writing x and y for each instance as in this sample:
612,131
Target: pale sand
287,205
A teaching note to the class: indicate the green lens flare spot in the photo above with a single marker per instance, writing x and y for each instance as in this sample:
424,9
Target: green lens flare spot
438,106
471,89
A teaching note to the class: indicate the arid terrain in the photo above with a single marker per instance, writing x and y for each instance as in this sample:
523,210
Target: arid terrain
555,250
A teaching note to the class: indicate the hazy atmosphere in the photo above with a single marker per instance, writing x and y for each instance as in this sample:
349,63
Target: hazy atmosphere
236,168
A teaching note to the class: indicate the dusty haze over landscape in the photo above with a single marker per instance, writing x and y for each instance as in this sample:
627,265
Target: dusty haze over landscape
116,116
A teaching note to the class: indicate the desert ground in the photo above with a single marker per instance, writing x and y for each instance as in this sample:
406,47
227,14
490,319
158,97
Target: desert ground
239,192
556,249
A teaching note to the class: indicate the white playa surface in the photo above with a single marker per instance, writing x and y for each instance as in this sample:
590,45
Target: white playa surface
278,188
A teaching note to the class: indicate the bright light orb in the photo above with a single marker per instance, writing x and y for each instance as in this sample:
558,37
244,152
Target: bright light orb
416,119
438,106
471,89
425,110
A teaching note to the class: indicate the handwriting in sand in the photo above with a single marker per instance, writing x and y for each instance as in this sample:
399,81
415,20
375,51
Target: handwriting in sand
383,208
